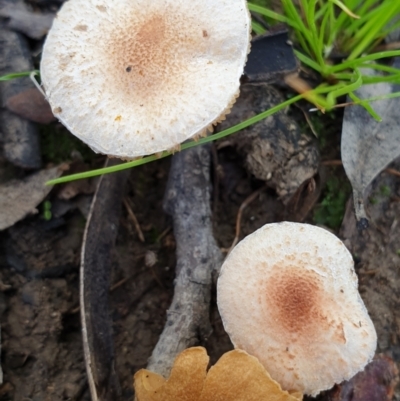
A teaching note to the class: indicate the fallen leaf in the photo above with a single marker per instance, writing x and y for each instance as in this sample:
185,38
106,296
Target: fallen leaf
369,146
18,198
32,105
184,384
237,376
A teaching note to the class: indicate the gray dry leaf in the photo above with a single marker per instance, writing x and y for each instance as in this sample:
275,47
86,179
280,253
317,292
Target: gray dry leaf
18,198
369,146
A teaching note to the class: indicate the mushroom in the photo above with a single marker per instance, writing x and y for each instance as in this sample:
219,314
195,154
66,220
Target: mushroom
288,295
135,77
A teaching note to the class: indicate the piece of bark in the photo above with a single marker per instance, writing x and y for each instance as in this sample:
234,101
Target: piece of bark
99,238
17,16
20,137
187,200
275,149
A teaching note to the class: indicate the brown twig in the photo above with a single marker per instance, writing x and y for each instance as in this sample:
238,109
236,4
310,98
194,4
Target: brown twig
388,170
134,220
163,234
392,171
119,283
187,200
308,120
331,163
242,207
214,155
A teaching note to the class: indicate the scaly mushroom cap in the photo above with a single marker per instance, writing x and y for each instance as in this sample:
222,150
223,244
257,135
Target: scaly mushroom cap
288,295
135,77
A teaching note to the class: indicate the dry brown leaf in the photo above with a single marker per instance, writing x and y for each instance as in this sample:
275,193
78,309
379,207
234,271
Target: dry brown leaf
147,384
184,384
237,376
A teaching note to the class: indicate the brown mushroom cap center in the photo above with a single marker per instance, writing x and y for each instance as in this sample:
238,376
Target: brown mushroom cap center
153,55
294,298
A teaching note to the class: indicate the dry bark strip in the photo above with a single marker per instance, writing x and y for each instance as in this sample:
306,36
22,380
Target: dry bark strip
98,242
187,200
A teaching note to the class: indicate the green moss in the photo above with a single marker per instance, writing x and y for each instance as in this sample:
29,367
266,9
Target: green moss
382,193
330,211
58,145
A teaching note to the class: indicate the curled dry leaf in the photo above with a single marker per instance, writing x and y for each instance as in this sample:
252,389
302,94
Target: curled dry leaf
237,376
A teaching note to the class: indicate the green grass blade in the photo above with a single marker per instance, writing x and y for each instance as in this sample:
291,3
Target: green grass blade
395,79
371,30
187,145
302,32
315,43
16,75
380,67
257,28
365,103
267,13
345,9
361,60
307,61
346,89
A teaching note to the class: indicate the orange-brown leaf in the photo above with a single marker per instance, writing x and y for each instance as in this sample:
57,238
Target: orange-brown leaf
184,384
237,376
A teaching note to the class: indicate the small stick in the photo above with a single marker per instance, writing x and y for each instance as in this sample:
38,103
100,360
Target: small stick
163,234
392,171
134,220
388,170
215,162
331,163
242,207
119,283
308,120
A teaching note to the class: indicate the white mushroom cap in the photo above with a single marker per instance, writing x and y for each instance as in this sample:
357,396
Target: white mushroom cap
135,77
288,295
